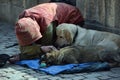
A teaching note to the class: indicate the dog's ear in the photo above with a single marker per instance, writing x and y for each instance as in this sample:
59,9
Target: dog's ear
68,36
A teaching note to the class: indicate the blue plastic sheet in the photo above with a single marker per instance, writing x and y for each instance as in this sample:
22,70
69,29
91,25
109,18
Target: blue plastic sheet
76,68
69,68
33,64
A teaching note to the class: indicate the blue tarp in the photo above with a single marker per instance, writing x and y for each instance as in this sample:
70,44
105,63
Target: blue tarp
69,68
33,64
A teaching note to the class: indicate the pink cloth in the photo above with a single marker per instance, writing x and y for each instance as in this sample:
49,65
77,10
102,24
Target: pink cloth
42,16
27,31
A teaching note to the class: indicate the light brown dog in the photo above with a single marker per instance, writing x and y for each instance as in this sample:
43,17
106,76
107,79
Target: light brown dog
70,34
80,54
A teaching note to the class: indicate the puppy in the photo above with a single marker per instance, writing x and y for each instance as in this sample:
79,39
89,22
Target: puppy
80,54
70,34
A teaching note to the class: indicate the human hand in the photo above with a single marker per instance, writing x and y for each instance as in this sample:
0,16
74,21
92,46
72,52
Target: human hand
48,48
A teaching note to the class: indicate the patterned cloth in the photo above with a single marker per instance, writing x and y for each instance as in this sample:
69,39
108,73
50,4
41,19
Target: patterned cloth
33,22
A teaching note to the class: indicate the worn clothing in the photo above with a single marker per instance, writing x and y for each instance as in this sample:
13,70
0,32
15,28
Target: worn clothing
30,52
33,22
34,50
27,31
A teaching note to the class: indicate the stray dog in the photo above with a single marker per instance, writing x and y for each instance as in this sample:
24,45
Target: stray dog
80,54
70,34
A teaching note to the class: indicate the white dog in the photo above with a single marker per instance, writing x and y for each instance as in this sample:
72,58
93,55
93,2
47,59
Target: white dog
70,34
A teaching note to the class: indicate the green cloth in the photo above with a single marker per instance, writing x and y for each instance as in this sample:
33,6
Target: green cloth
30,52
48,38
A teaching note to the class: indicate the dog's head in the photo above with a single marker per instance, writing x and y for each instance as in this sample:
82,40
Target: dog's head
50,58
63,56
65,34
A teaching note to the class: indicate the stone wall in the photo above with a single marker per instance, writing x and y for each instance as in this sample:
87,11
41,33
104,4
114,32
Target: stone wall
105,12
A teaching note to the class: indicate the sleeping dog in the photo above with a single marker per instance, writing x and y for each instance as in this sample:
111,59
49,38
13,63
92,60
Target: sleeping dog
70,34
80,54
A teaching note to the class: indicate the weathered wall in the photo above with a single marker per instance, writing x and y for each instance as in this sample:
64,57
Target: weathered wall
105,12
10,9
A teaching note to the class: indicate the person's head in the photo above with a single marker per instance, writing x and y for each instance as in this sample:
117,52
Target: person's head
27,31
